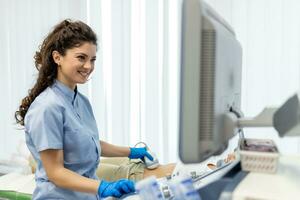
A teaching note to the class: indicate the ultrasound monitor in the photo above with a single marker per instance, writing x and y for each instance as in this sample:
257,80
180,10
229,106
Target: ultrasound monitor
210,82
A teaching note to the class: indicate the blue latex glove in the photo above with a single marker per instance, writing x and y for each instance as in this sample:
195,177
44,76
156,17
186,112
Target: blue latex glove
115,189
140,152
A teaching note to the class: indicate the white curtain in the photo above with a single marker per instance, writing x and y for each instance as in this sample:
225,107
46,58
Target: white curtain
139,74
134,88
269,33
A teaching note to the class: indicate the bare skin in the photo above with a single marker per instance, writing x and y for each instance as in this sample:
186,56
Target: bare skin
160,171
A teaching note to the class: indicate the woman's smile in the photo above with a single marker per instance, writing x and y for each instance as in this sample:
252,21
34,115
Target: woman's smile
84,74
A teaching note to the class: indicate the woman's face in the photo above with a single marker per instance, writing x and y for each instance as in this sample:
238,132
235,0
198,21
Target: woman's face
76,65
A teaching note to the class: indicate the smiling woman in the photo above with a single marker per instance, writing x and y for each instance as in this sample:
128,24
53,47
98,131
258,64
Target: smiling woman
76,65
66,36
60,127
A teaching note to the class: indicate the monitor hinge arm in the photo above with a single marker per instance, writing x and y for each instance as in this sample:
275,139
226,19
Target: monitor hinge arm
235,124
263,119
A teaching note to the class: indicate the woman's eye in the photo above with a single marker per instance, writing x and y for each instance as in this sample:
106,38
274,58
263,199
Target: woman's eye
81,58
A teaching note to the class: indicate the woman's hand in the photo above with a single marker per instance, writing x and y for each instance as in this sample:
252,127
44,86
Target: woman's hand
116,188
140,152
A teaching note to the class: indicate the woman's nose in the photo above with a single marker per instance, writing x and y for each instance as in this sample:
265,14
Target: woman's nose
88,65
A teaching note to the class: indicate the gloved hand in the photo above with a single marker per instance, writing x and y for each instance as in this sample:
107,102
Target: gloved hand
140,152
115,189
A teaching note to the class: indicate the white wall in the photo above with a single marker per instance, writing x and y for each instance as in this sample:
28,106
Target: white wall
269,32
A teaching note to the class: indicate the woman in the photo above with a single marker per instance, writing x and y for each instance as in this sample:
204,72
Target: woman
61,131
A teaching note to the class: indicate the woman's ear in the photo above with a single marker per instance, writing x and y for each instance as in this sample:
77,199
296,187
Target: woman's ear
56,57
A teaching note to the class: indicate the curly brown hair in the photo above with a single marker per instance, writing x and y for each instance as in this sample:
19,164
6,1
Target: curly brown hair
65,35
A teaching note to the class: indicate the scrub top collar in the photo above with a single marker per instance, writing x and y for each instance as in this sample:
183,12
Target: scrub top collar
70,94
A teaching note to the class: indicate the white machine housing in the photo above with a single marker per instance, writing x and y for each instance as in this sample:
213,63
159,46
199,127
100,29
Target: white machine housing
211,60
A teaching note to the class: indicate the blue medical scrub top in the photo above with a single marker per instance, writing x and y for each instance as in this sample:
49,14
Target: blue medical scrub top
60,118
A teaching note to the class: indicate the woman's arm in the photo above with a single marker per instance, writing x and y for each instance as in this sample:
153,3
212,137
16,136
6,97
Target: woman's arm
53,163
110,150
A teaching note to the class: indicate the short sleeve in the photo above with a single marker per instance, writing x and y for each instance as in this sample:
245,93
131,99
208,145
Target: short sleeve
44,124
